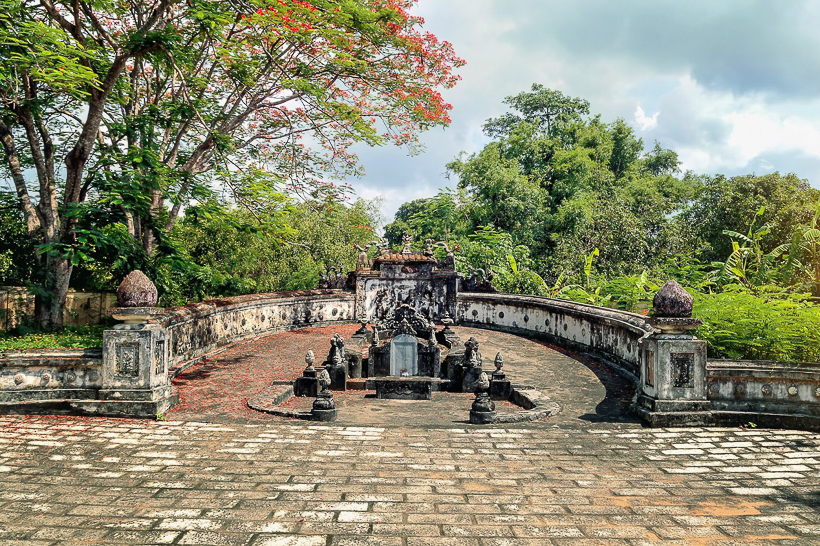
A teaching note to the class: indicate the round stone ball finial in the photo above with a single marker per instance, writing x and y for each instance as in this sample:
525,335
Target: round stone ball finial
673,301
137,290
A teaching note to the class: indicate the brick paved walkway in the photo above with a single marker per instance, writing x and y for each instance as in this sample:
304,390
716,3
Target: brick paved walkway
583,478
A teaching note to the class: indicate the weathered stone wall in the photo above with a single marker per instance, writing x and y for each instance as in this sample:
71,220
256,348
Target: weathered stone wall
195,330
71,374
613,335
759,386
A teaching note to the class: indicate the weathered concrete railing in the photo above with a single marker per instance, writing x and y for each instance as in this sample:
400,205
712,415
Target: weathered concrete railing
676,384
615,336
766,393
132,375
195,330
42,381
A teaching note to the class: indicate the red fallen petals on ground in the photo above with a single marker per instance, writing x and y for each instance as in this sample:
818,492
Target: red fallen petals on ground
218,389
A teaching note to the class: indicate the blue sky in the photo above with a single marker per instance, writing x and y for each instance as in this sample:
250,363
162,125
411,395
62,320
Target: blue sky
732,86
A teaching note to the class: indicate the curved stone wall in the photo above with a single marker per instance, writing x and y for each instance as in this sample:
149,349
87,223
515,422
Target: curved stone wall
767,393
132,375
615,336
196,330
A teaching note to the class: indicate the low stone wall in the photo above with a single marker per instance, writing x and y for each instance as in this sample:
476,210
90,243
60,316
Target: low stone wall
50,375
196,330
613,335
765,393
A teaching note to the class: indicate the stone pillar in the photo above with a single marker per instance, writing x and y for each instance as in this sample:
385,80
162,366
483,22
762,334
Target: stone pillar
500,386
135,355
673,371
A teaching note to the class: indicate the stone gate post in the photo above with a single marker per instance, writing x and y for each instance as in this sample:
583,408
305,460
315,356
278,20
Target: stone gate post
672,388
135,355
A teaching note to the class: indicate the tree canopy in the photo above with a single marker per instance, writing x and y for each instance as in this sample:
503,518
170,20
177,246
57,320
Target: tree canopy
129,112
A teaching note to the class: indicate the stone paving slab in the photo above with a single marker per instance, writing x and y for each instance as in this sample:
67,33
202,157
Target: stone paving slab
67,480
218,473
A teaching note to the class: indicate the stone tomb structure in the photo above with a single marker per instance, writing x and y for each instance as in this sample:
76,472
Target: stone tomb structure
395,278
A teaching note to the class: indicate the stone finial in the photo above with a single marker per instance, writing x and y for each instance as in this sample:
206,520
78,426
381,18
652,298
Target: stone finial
483,383
310,359
673,301
324,380
136,290
499,362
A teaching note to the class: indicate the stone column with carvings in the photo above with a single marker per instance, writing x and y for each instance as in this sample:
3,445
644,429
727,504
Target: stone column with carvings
673,374
135,354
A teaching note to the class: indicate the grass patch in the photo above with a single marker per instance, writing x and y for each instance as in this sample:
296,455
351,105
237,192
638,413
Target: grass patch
70,337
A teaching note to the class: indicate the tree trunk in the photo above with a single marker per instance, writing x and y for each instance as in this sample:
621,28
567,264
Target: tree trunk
49,304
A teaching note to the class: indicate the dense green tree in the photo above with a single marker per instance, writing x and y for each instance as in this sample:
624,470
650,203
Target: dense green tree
141,99
733,204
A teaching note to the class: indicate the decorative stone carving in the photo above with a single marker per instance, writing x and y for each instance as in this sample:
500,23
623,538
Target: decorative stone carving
483,408
309,360
766,390
127,360
472,355
792,391
324,408
45,379
19,379
137,290
672,301
499,363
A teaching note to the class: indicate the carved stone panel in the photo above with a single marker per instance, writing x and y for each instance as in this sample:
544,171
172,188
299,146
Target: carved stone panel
127,360
682,370
159,357
649,368
404,355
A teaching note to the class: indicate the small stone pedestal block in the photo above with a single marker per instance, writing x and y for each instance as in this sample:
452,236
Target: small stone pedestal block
401,388
470,378
673,375
135,379
500,387
307,385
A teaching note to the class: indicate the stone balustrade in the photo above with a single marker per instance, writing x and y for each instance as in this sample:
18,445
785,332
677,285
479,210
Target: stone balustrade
611,335
676,385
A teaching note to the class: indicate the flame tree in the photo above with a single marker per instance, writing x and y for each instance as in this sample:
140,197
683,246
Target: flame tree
143,106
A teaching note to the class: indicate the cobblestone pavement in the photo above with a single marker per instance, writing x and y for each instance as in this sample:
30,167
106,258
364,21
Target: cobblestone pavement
583,478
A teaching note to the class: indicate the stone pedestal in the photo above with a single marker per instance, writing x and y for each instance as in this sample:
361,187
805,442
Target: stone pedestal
483,410
403,388
307,385
470,378
673,375
324,408
135,370
500,387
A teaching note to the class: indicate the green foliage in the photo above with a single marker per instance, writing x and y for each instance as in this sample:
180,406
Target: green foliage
70,337
17,253
769,326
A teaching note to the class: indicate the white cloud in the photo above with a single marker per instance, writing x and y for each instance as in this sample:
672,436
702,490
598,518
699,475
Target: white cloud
645,123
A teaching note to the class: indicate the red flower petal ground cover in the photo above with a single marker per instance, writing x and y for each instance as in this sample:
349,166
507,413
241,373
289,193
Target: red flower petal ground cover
218,389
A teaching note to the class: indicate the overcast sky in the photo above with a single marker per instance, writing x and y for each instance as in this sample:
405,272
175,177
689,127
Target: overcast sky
733,86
